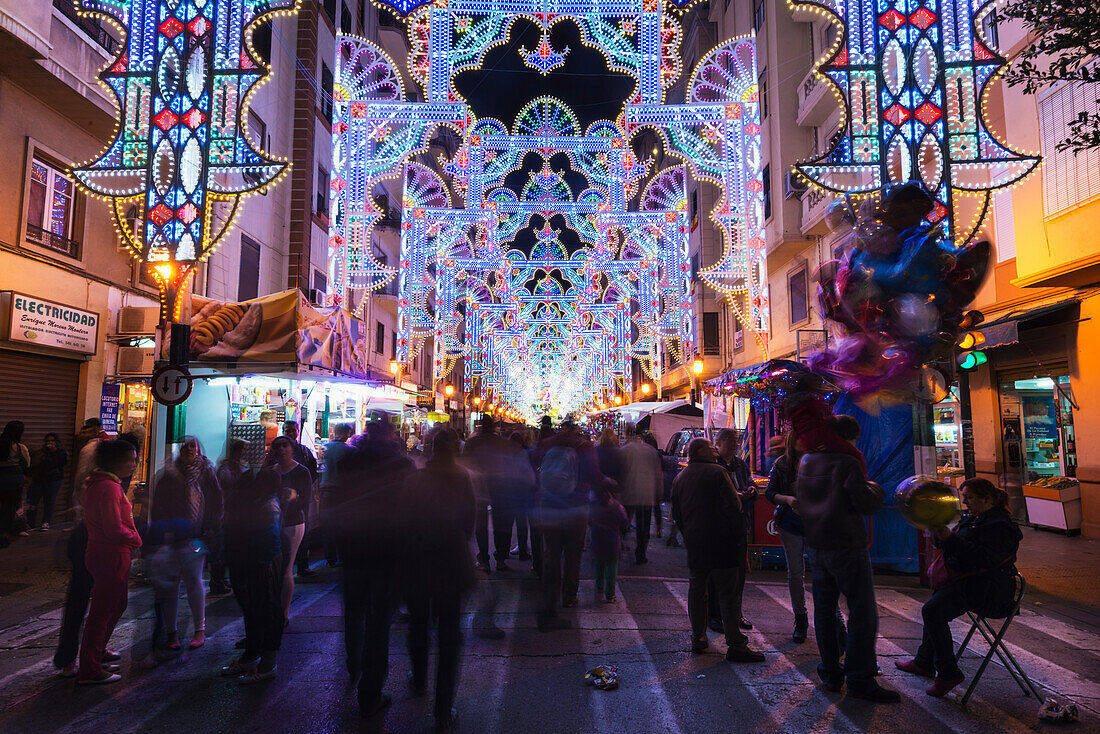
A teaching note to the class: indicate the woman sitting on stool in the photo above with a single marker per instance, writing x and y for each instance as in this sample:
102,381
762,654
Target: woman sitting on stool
980,557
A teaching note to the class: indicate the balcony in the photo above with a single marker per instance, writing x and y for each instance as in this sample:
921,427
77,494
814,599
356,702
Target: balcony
816,101
57,243
815,203
90,26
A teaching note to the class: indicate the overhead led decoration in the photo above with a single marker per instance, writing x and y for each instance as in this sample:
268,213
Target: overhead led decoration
549,327
913,76
181,81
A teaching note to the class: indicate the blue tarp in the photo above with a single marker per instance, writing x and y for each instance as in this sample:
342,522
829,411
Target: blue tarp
886,441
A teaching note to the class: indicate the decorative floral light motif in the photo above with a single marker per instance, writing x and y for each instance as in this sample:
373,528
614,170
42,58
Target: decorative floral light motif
913,75
548,327
182,87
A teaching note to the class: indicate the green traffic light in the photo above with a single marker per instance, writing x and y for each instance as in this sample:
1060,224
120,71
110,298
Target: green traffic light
973,359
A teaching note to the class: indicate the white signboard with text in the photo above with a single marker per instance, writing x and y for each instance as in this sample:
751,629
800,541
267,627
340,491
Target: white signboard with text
45,323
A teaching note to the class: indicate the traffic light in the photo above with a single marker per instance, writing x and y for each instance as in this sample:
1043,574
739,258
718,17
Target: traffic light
970,356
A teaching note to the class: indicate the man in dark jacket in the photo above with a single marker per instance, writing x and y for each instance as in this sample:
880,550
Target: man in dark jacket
490,455
708,512
306,458
727,445
833,497
568,468
371,534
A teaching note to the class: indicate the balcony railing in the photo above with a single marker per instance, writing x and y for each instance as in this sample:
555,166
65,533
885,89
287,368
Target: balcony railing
90,26
46,238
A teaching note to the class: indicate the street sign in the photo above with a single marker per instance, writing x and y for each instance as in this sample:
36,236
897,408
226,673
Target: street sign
171,384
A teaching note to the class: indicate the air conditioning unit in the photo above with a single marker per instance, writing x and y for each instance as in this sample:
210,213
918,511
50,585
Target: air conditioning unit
794,185
135,361
138,320
317,297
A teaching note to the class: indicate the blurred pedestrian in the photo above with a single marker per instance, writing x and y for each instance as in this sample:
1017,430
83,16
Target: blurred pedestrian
728,446
336,451
608,519
833,497
15,462
492,457
372,538
291,481
305,457
91,433
254,555
568,469
112,538
523,494
442,509
187,490
232,472
642,485
707,511
47,470
611,463
781,493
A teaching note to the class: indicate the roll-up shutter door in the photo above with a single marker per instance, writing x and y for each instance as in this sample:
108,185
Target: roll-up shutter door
41,391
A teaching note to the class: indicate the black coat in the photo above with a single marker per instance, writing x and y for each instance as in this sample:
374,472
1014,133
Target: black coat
708,513
833,497
983,548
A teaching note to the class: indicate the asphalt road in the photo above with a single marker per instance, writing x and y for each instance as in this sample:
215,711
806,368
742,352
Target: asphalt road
527,682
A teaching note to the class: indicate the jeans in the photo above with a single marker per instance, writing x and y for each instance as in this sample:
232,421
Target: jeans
728,583
447,608
794,547
607,573
257,588
110,569
937,650
522,511
369,595
76,599
187,566
562,545
643,517
215,541
42,493
329,515
848,572
481,530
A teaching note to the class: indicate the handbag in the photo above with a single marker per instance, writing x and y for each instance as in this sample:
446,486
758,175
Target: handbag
940,575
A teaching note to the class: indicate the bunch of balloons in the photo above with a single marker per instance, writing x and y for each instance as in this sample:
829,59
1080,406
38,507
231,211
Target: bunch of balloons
897,295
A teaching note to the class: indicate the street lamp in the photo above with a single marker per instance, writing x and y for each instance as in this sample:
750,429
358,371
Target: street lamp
618,400
477,400
697,367
645,388
449,390
394,367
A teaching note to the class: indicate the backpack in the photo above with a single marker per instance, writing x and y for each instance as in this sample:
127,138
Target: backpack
558,476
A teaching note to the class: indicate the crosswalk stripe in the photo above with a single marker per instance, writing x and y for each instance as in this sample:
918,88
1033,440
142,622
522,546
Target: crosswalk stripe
1042,672
804,697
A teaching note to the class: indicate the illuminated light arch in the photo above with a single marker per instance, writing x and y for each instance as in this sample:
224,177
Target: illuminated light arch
181,81
913,79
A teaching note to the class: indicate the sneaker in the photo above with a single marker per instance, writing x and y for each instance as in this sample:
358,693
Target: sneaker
941,685
111,667
448,722
698,647
239,667
875,694
550,624
110,656
102,678
43,527
418,689
69,671
914,668
743,655
258,676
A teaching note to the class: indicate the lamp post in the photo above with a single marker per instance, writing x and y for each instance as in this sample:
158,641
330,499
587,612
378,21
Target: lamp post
696,370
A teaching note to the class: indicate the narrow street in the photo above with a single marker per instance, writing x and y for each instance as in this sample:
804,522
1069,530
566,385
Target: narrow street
531,682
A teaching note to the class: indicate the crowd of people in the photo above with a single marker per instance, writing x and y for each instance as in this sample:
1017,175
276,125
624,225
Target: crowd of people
416,529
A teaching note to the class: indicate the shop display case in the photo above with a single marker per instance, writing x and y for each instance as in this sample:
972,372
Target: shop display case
1054,502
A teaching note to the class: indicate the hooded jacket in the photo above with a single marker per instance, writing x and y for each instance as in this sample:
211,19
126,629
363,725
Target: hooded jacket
833,497
708,513
984,547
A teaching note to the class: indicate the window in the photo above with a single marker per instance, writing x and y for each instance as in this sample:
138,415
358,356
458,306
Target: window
326,91
248,279
257,132
379,337
320,282
758,14
261,40
1068,179
330,9
345,17
393,343
798,293
762,86
989,29
51,206
322,191
694,209
738,334
767,192
710,333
